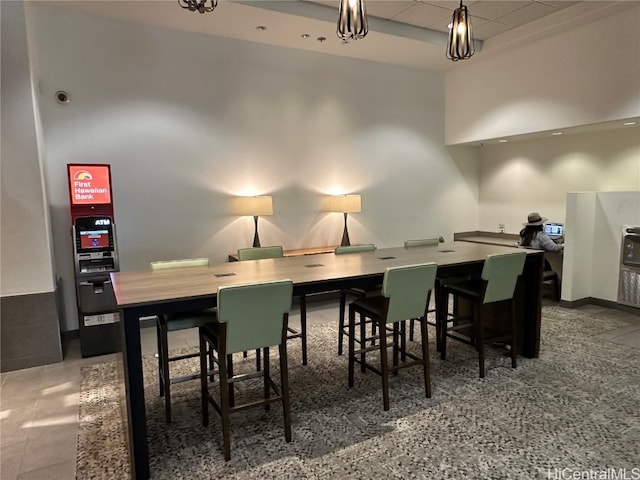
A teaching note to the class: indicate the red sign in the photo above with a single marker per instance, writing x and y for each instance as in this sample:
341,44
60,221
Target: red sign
89,184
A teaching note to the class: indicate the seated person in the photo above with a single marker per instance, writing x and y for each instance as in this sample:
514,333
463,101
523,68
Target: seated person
533,236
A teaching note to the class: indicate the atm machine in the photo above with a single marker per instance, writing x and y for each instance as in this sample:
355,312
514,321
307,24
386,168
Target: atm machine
95,254
629,280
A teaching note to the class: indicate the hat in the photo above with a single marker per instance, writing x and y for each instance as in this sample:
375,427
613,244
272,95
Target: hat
534,219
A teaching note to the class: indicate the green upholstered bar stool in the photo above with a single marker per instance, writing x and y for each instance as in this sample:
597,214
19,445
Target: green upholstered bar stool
259,253
252,316
276,251
405,293
497,284
422,242
172,323
358,292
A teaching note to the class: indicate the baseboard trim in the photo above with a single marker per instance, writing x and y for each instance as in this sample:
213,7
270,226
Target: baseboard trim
599,302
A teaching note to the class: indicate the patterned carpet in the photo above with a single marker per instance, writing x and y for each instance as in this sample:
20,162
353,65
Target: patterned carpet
575,407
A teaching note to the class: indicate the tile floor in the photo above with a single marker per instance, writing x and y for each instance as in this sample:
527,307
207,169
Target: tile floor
39,407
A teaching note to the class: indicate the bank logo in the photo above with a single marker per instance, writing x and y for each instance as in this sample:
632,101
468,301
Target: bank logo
82,175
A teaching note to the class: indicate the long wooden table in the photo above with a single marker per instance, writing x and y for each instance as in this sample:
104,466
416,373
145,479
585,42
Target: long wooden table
143,293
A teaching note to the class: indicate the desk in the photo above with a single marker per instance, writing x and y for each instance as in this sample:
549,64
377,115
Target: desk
145,293
508,240
492,238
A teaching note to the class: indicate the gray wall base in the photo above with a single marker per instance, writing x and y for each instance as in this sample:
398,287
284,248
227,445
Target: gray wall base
29,331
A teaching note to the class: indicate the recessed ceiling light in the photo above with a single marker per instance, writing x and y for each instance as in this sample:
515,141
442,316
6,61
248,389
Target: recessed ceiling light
262,28
502,140
305,35
556,133
629,123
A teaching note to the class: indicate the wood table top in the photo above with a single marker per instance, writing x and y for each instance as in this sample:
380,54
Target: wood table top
137,288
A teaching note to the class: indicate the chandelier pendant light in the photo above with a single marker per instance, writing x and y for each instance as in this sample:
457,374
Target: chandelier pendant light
201,6
352,20
460,45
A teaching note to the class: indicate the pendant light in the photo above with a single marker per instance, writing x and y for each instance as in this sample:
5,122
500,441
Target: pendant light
352,20
201,6
460,45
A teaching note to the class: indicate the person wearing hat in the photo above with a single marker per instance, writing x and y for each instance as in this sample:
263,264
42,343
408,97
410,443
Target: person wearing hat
533,236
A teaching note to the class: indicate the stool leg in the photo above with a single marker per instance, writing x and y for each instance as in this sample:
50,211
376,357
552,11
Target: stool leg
477,316
225,406
514,335
403,340
363,342
229,370
284,385
166,375
160,357
352,332
395,342
438,305
265,376
443,324
303,328
426,367
204,391
384,366
343,302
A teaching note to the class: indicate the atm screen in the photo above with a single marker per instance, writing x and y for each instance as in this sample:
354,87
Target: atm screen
94,239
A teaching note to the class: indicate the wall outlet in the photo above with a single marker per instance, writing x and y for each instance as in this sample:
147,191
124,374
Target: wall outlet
501,227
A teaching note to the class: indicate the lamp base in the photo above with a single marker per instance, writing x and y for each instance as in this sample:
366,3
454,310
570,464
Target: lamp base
345,234
256,239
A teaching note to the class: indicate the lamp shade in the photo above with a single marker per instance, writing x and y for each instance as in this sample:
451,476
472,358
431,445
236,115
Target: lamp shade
253,206
344,203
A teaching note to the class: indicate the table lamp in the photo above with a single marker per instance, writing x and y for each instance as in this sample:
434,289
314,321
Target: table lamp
344,204
254,207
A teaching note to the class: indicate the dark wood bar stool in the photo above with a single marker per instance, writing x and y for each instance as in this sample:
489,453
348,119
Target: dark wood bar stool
357,292
250,317
405,291
172,323
497,284
276,251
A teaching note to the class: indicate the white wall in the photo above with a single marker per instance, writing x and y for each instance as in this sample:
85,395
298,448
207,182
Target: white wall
535,175
187,121
592,251
583,76
577,265
25,241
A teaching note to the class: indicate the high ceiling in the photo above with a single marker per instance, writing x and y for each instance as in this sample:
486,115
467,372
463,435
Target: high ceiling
489,17
401,32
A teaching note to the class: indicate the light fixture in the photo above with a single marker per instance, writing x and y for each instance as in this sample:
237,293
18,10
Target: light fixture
201,6
344,204
629,123
460,45
352,20
555,134
254,207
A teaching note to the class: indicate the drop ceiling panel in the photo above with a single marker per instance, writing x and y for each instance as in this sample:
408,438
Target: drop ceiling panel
426,16
526,14
494,9
387,9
